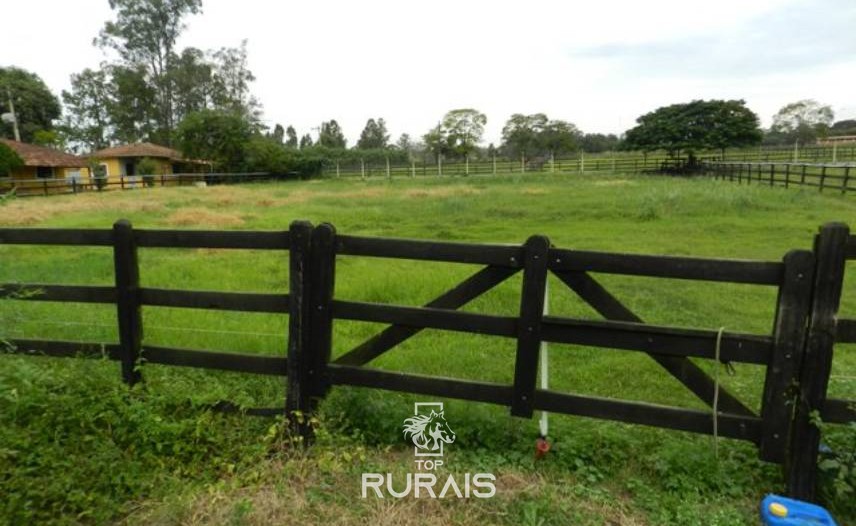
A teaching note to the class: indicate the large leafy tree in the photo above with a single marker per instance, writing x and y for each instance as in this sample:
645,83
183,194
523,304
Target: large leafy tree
695,126
291,137
845,127
133,107
35,106
232,80
521,134
559,137
803,121
216,136
192,77
331,135
9,160
463,130
374,135
599,142
144,34
437,141
87,120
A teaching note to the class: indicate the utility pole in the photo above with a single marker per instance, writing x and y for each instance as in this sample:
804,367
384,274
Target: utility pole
14,116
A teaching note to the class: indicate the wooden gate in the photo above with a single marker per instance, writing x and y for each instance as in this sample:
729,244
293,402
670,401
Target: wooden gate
796,353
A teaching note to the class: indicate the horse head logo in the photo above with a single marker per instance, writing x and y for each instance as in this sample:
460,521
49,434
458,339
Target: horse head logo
428,432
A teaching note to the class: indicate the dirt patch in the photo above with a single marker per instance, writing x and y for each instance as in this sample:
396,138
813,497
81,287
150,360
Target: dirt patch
613,182
534,191
446,191
34,210
204,218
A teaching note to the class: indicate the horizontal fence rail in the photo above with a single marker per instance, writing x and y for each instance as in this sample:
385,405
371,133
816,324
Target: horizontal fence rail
797,351
72,185
836,177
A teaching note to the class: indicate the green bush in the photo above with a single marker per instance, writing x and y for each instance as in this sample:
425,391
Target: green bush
147,168
99,176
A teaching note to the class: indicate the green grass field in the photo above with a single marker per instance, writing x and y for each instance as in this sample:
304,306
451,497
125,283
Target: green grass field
76,446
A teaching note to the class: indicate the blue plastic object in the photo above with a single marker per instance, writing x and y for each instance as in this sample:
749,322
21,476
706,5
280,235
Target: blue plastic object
782,511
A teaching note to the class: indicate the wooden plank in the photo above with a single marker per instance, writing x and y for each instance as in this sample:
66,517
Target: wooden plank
297,401
792,311
223,361
323,279
61,293
497,255
682,369
471,288
851,247
829,253
666,340
64,349
529,325
426,318
419,384
724,270
258,240
729,425
127,275
845,330
55,236
838,411
199,299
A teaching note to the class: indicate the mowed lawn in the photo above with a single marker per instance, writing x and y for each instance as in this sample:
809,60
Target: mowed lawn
76,447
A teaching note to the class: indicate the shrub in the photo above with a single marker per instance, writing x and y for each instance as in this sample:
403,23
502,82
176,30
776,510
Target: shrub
147,168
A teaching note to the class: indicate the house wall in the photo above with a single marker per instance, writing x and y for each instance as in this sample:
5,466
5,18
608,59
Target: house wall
55,185
116,166
29,172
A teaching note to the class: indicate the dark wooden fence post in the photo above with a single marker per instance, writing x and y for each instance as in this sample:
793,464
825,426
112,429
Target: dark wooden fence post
802,175
830,249
297,401
822,177
127,276
787,175
529,325
322,278
846,180
789,332
772,173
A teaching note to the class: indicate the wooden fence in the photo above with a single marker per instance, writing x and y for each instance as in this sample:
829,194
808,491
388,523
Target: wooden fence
833,177
40,186
797,352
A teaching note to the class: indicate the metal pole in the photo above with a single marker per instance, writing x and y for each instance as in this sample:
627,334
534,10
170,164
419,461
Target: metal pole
543,423
388,172
494,164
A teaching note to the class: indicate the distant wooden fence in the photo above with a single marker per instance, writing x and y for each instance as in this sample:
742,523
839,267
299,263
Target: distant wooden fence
832,177
797,352
39,186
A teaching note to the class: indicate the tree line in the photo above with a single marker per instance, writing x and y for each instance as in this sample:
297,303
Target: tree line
200,101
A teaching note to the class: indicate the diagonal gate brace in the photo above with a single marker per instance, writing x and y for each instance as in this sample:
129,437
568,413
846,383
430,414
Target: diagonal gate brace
685,371
466,291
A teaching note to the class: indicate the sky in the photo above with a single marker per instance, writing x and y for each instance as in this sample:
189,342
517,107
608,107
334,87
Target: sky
597,64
